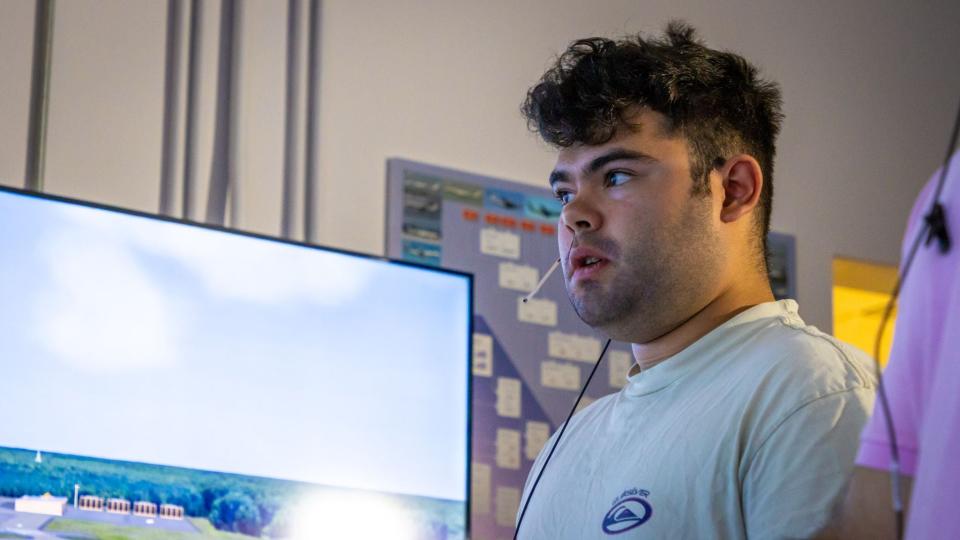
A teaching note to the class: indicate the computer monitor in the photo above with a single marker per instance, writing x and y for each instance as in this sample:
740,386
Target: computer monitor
166,378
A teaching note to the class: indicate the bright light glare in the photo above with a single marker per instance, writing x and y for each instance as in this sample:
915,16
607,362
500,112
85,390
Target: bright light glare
356,516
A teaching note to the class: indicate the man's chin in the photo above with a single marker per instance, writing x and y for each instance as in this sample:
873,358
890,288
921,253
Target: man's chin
591,313
607,315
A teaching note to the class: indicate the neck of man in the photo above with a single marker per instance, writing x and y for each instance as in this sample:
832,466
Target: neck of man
736,298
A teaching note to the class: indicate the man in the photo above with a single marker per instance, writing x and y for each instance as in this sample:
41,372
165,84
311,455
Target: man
737,420
922,383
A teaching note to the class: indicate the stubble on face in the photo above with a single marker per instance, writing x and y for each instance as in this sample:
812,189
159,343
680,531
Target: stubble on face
660,276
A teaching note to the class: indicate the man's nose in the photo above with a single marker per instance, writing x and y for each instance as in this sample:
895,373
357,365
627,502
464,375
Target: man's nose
581,214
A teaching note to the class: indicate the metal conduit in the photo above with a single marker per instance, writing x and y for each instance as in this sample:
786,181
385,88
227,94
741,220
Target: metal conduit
171,106
292,111
193,95
223,170
313,122
39,95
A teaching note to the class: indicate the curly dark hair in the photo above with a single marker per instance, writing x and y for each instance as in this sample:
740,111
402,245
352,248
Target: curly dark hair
715,99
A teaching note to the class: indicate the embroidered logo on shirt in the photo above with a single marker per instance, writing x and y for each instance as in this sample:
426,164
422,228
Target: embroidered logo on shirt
630,510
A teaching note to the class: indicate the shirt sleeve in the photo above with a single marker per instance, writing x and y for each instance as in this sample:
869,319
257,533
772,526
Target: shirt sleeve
791,483
906,370
899,382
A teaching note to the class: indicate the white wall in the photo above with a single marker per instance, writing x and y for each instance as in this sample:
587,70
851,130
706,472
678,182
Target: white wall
870,88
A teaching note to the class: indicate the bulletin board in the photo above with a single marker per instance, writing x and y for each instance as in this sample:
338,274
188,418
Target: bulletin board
529,359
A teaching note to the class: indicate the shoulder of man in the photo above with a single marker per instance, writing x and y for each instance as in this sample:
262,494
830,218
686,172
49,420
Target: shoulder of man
787,370
813,364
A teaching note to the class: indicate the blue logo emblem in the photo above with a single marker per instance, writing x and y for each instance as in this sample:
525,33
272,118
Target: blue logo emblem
630,510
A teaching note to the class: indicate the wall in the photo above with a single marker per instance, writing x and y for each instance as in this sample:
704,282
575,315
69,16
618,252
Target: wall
870,88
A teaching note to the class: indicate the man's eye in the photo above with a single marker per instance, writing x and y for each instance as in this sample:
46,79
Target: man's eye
616,178
563,196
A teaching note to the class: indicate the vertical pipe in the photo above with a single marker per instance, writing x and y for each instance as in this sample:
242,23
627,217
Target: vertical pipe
219,173
291,140
193,95
223,169
171,108
313,98
233,141
39,94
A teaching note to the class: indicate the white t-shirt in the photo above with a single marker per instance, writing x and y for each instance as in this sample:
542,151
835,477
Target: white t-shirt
750,432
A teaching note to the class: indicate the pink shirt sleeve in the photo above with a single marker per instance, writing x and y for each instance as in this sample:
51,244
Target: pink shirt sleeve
875,452
904,378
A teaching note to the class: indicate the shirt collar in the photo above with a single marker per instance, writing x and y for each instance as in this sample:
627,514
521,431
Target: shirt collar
699,352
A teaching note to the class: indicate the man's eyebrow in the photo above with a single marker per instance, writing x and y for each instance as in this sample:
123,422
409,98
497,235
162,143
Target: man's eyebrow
616,154
558,176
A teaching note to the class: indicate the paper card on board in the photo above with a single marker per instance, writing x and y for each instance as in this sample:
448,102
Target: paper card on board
508,397
480,487
573,347
508,448
559,375
507,503
518,277
536,435
499,243
482,355
542,311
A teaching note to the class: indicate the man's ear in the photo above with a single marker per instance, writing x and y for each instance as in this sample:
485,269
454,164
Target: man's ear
742,182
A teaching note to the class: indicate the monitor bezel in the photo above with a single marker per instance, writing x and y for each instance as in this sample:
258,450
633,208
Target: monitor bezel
261,236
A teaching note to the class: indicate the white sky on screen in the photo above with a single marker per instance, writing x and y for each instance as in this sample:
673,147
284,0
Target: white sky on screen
130,338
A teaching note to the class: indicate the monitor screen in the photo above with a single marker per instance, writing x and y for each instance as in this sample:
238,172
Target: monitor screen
164,379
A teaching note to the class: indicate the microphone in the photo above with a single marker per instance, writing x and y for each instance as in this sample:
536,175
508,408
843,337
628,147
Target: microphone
552,269
543,280
936,221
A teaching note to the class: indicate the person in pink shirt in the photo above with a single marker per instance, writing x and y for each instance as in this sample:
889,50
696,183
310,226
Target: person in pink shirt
922,383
